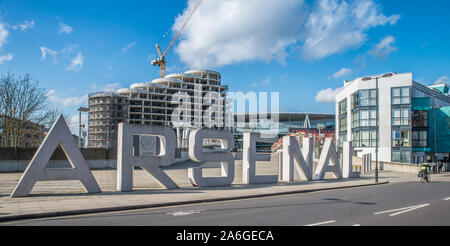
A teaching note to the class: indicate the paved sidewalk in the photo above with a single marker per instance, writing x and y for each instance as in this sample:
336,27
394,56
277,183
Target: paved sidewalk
57,198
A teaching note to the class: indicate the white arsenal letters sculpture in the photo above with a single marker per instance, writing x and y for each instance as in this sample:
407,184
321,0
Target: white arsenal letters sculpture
293,158
226,158
126,160
36,171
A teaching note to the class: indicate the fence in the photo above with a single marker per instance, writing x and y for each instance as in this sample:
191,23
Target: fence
17,159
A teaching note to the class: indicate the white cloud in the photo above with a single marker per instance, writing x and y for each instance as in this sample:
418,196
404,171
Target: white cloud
442,80
76,63
70,49
127,47
108,87
66,101
232,31
224,32
74,123
48,52
66,56
383,48
262,83
23,26
266,81
343,72
327,95
6,58
3,34
334,27
63,28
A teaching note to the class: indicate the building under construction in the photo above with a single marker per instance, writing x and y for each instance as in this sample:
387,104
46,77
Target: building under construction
151,103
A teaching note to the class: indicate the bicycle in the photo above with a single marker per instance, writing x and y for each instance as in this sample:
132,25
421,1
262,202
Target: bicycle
424,176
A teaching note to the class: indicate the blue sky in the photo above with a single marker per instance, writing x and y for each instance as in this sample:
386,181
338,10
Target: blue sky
294,47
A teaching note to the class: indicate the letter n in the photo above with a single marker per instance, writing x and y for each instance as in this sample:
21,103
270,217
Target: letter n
328,154
292,156
36,171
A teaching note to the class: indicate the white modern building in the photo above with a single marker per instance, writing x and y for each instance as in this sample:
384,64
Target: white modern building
412,118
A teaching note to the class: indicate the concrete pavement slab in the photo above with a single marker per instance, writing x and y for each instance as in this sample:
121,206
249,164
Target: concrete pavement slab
58,198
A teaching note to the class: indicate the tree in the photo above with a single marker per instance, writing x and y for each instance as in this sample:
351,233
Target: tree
23,107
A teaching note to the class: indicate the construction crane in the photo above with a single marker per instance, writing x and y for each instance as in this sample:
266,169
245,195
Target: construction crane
161,61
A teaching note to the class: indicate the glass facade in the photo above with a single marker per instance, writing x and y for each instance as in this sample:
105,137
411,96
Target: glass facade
364,118
343,115
342,139
401,155
420,129
401,116
420,118
400,95
419,139
364,98
401,138
364,138
401,124
343,107
342,121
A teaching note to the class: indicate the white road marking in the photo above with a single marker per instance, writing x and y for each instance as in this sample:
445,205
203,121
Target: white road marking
446,199
322,223
403,210
183,213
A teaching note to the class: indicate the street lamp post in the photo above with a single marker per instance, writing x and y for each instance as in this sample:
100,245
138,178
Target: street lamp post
386,75
81,109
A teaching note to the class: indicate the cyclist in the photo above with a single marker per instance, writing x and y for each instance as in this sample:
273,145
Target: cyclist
424,169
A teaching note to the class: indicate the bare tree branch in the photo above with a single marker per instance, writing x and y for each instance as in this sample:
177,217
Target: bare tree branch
23,106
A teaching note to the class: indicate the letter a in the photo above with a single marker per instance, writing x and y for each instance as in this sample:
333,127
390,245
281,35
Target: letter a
328,154
36,171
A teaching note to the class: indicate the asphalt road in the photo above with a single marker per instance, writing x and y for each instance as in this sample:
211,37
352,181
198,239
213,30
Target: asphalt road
405,204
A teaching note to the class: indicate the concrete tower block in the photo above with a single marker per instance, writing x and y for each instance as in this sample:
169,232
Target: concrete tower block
328,154
226,158
347,167
250,157
126,161
36,171
293,157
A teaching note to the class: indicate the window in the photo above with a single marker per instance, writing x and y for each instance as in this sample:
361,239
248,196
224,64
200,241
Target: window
355,119
403,156
364,138
420,119
400,138
342,139
343,107
355,139
400,96
343,115
342,124
364,98
419,139
401,116
364,118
